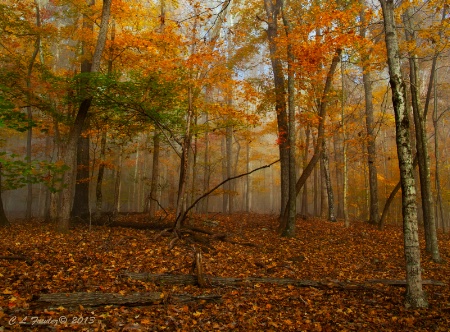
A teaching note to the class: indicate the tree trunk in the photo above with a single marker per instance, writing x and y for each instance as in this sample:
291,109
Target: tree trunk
339,170
229,164
100,175
184,164
3,219
248,192
344,154
70,154
305,209
207,169
370,124
118,184
323,187
322,114
37,46
326,168
273,10
415,297
80,209
291,209
422,147
151,199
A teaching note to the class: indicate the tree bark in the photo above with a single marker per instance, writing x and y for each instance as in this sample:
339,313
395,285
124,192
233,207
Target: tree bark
96,299
151,199
321,129
291,210
100,175
186,279
327,175
415,297
70,154
3,219
273,10
37,46
80,208
184,165
371,138
305,209
118,184
422,146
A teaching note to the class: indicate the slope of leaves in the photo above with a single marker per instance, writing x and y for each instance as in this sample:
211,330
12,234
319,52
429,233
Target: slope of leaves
95,261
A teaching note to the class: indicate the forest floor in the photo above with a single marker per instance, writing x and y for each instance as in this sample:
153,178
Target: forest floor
96,260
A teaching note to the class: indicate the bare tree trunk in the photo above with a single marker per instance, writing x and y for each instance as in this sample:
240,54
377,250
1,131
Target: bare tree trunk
316,185
422,147
184,164
248,188
70,154
338,154
323,187
305,209
371,138
207,169
344,153
439,205
327,177
415,297
151,204
432,85
118,183
322,114
291,209
80,208
225,195
3,219
100,175
37,46
273,10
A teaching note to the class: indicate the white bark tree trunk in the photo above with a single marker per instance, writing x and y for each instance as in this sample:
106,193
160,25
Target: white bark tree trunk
415,297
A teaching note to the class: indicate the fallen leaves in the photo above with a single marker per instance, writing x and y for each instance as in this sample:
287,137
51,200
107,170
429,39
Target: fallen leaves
95,261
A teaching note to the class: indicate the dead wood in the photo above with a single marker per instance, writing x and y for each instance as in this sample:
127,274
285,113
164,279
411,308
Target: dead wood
189,233
186,279
183,216
402,283
202,280
99,299
17,258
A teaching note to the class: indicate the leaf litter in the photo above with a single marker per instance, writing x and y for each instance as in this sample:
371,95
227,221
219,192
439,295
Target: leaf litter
97,260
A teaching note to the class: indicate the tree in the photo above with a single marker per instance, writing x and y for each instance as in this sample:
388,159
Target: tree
415,296
370,126
70,153
421,143
3,219
273,12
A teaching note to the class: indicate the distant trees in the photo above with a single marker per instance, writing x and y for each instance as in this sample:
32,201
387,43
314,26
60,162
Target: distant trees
194,76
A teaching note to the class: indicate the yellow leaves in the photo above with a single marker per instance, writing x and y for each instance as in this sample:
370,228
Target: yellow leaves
146,321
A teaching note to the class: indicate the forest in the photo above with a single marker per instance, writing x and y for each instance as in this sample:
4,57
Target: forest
227,165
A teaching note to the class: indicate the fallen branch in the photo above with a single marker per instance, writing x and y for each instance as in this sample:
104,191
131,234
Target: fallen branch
186,279
183,216
99,299
17,258
216,236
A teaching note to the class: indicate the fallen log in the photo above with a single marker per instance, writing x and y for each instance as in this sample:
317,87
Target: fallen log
187,279
402,283
17,258
97,299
